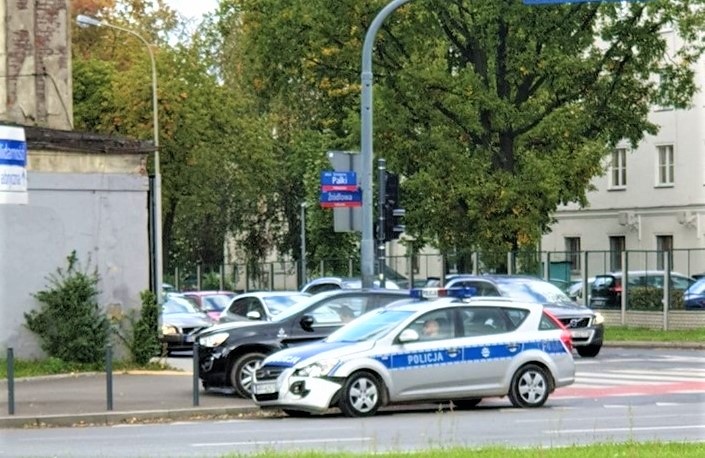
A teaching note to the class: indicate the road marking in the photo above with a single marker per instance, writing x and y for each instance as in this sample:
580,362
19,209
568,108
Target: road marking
284,442
614,430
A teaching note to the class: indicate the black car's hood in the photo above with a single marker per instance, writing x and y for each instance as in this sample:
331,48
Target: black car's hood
232,325
560,310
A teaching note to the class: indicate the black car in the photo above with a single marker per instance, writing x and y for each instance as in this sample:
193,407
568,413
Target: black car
230,353
586,326
607,289
181,321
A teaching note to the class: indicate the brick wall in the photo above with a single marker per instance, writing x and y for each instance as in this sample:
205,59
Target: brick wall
36,74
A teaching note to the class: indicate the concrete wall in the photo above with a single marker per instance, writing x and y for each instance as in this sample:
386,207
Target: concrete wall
676,319
103,216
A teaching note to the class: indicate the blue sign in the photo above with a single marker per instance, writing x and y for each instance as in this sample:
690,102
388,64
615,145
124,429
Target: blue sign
338,181
336,199
13,165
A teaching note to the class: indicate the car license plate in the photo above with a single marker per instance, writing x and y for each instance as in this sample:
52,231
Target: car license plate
264,388
580,334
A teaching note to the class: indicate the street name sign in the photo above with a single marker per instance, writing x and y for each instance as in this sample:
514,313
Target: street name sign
338,199
338,181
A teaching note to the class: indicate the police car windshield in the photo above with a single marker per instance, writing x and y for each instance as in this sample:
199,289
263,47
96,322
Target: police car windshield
370,326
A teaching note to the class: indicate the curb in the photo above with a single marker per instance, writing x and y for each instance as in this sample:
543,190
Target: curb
131,417
653,344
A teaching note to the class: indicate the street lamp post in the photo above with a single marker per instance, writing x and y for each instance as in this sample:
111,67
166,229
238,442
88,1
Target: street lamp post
84,20
367,244
303,241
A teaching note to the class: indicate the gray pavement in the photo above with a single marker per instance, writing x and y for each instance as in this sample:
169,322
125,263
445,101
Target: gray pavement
82,399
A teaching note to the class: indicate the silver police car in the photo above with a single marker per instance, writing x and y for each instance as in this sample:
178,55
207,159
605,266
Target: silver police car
445,349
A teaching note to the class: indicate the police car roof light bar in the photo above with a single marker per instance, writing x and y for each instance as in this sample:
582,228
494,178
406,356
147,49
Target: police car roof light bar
461,292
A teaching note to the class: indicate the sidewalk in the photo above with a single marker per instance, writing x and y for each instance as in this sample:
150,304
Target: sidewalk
81,399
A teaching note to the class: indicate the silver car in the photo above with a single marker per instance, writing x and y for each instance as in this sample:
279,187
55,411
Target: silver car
459,350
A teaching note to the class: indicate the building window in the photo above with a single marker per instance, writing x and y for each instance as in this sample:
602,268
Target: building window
618,168
664,247
617,247
665,165
572,246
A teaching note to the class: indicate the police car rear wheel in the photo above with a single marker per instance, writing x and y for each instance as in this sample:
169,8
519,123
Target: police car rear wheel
361,395
242,373
530,387
466,403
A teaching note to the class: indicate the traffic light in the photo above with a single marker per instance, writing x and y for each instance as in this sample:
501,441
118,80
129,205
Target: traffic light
393,222
393,215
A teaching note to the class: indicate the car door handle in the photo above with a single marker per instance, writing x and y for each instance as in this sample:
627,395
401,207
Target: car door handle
453,352
513,347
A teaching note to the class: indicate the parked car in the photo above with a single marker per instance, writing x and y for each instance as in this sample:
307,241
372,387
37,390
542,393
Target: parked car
211,302
319,285
260,305
694,296
575,289
180,322
231,352
586,325
606,290
491,347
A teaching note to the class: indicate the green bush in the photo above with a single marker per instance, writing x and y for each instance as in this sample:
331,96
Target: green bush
650,298
70,324
139,330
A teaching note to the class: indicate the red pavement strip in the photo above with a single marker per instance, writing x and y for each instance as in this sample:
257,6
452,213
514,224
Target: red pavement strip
629,390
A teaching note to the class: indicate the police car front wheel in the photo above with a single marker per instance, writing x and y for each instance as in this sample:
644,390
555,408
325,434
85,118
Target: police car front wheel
361,395
530,386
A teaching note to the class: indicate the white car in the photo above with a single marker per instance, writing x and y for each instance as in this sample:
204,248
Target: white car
483,347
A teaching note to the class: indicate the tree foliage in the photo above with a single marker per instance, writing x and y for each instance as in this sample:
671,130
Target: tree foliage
70,324
495,112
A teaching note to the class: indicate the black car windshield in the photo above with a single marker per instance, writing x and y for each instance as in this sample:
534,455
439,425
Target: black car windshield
178,305
277,304
303,305
370,326
534,291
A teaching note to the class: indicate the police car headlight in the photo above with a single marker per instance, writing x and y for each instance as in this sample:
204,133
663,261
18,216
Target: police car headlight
213,340
599,319
317,369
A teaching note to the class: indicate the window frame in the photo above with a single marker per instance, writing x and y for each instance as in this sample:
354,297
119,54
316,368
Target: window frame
665,165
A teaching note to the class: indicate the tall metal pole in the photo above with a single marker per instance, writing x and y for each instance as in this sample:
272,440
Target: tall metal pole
303,241
84,20
381,220
367,243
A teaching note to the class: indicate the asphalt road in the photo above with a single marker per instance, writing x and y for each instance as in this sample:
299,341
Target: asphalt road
623,395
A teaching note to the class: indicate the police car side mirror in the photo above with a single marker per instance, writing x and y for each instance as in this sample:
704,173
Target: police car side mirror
254,315
408,335
307,323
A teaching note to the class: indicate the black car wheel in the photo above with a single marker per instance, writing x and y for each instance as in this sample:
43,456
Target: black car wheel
530,387
588,351
361,395
242,373
466,403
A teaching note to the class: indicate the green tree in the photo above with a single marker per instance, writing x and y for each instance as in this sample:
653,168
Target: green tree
70,324
495,112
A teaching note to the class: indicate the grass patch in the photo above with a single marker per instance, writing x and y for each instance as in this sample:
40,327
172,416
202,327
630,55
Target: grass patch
53,366
622,334
622,450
